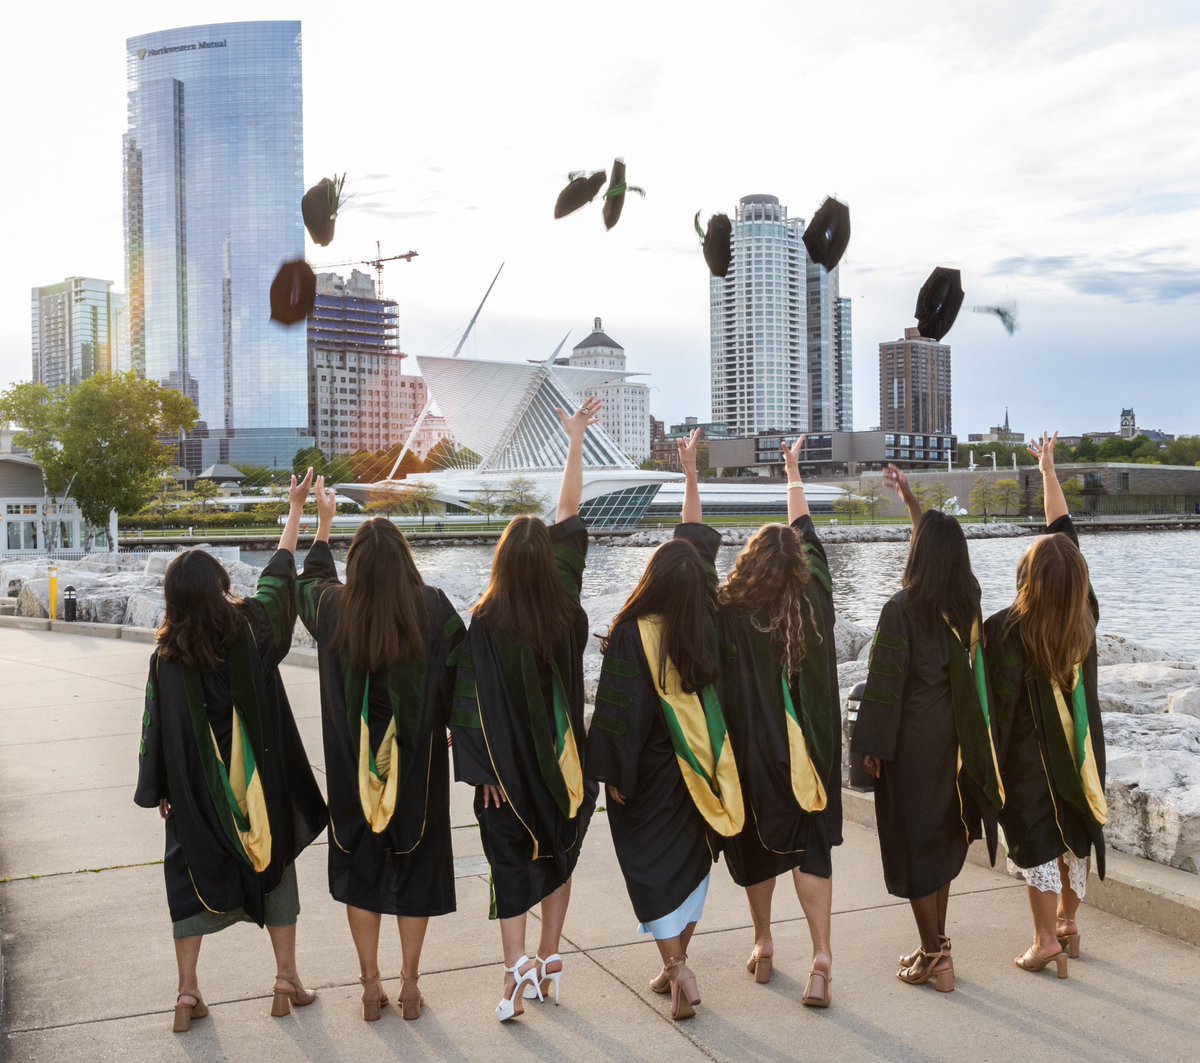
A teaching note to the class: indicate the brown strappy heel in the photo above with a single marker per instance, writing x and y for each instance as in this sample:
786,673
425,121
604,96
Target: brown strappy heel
935,965
1028,962
410,999
911,958
371,1004
761,967
185,1013
684,993
292,992
811,999
661,983
1070,941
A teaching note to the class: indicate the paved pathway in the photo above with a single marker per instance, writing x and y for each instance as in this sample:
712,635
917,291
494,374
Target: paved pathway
90,970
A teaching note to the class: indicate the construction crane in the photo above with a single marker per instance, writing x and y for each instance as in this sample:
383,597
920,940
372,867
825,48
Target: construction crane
375,263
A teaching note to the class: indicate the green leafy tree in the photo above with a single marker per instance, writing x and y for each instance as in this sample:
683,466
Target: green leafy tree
384,503
1073,493
488,500
268,512
204,492
983,496
1185,450
1087,450
937,494
872,496
1007,494
847,504
419,499
307,456
445,455
101,438
521,496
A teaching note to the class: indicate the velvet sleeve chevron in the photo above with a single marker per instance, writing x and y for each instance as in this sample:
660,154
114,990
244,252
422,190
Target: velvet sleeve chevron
1006,674
318,575
569,540
619,724
878,725
272,610
814,551
472,765
152,772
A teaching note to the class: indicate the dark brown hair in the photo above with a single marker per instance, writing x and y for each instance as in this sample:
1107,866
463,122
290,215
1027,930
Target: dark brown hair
677,587
524,596
381,611
938,575
768,584
1052,612
202,617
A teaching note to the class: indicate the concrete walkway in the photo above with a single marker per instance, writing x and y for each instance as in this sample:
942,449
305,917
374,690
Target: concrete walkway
90,973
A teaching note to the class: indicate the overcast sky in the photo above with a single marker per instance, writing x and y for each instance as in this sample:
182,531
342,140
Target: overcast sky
1050,149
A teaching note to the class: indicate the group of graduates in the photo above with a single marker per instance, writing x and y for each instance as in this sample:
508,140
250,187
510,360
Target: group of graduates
716,731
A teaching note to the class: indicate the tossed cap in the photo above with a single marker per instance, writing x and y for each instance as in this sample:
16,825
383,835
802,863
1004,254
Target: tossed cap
828,233
581,190
718,249
293,292
614,195
1007,313
938,302
320,206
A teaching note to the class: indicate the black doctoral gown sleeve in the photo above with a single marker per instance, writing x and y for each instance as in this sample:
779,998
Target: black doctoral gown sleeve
318,576
152,771
878,725
705,539
623,715
472,764
569,541
272,609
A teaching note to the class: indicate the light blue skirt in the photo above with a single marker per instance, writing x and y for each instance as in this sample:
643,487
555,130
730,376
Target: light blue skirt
674,924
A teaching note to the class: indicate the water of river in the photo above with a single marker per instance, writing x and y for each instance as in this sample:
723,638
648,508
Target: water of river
1148,583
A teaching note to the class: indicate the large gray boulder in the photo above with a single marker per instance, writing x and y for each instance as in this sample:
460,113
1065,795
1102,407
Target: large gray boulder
144,609
1116,649
1144,687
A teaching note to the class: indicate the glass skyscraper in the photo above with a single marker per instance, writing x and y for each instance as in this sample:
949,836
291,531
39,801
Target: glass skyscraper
213,160
72,330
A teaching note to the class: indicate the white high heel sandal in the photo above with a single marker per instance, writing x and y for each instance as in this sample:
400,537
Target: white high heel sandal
554,977
510,1006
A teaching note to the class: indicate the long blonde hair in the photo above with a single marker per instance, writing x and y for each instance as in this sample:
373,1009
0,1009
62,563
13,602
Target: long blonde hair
1052,612
768,584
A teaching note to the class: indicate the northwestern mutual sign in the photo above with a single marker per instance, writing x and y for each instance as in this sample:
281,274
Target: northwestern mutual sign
145,53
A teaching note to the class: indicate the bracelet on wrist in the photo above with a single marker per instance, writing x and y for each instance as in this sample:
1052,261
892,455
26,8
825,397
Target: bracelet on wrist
794,484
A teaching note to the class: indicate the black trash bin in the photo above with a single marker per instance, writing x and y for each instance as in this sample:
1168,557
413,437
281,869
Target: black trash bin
859,779
69,603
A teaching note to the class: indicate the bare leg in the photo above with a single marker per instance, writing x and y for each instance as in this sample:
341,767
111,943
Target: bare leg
283,942
759,897
1068,904
364,929
816,898
187,954
661,983
684,994
412,937
685,938
554,915
1044,907
512,939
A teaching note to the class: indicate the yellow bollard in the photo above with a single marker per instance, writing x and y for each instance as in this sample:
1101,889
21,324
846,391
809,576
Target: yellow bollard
52,572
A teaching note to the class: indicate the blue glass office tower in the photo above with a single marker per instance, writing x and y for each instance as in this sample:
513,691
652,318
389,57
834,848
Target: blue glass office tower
213,160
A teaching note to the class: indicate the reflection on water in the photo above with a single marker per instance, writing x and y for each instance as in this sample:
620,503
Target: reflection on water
1148,583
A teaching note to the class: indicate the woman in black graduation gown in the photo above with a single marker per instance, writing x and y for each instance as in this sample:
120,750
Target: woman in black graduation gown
925,732
517,725
222,761
658,739
1042,661
781,696
384,640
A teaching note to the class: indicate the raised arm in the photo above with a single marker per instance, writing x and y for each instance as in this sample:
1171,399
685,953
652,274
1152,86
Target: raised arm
692,512
1052,493
326,508
797,502
297,496
575,425
896,481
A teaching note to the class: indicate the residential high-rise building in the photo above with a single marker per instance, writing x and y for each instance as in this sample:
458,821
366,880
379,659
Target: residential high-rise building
914,384
843,368
625,415
758,323
213,158
120,333
830,373
72,331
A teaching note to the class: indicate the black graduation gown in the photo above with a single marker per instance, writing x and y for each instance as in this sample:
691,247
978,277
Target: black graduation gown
926,813
408,868
204,866
664,845
529,841
779,835
1044,813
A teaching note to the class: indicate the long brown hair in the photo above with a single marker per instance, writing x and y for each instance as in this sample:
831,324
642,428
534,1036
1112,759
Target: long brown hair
1052,612
768,584
524,596
381,610
202,616
677,587
938,575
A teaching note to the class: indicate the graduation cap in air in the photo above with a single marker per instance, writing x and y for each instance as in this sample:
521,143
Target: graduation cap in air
293,292
320,207
939,301
718,251
828,233
614,195
582,189
1006,313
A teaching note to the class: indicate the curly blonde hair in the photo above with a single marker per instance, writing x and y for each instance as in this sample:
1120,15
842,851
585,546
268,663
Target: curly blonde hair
768,585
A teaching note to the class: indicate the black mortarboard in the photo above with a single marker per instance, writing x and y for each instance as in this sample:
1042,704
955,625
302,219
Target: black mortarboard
828,233
320,208
581,190
293,292
938,302
718,251
614,196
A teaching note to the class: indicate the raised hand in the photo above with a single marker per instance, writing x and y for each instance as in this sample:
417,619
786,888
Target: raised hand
326,502
575,424
298,492
791,455
686,448
1044,451
894,480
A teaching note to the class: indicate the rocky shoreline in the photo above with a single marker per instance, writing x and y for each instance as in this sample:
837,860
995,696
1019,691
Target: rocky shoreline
849,533
1150,698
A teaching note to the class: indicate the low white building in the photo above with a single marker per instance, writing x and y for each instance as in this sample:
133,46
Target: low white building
29,523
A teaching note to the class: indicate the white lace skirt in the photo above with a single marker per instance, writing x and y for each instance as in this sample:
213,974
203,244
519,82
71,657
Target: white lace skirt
1046,877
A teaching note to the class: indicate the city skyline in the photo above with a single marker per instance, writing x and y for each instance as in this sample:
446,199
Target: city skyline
1062,176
